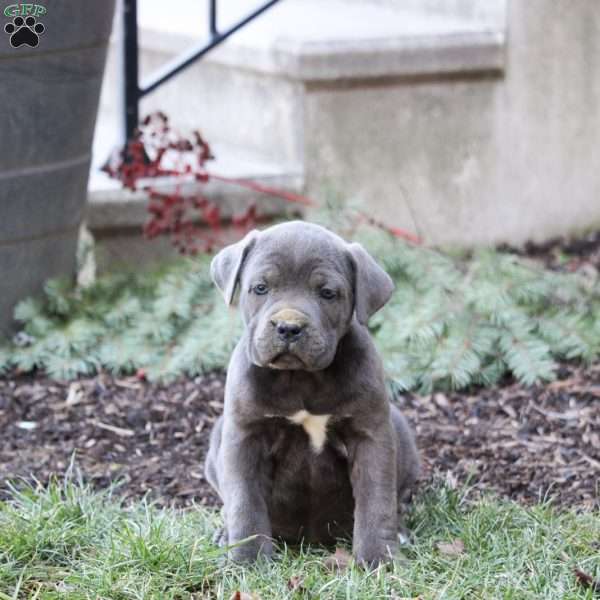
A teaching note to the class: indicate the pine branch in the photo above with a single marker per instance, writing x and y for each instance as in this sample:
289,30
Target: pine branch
452,322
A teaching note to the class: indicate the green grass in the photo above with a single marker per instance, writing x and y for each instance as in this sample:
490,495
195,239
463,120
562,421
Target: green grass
65,541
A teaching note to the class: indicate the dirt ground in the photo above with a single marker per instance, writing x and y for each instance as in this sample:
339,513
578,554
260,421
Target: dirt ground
524,443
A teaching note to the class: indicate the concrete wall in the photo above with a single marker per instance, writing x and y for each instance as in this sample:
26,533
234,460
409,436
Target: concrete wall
474,160
547,128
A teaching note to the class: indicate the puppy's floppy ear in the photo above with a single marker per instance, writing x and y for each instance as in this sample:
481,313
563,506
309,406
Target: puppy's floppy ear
226,266
373,287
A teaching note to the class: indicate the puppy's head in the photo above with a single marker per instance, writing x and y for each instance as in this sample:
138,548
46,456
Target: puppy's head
300,286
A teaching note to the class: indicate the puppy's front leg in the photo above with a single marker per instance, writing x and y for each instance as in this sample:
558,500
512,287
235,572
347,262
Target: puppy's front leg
373,475
244,485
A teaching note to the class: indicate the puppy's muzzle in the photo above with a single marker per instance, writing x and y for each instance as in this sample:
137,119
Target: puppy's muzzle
290,324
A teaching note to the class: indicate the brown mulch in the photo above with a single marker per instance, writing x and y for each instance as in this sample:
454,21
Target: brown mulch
148,438
528,444
524,443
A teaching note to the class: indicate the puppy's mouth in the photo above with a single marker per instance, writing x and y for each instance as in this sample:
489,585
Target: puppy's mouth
286,361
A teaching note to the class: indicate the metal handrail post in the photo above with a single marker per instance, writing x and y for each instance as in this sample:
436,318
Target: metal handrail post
130,68
212,18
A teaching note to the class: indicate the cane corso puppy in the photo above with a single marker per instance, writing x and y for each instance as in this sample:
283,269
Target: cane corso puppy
309,446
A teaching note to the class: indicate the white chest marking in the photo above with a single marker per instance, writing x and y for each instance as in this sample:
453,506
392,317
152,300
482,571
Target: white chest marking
314,425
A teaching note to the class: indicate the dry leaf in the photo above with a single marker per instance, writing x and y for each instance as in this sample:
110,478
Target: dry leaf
587,581
244,596
295,583
338,561
454,548
75,394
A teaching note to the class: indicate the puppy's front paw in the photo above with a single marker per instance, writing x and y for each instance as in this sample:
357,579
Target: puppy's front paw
248,552
374,554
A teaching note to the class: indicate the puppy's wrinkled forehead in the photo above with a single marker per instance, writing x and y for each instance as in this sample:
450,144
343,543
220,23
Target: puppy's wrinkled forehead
290,252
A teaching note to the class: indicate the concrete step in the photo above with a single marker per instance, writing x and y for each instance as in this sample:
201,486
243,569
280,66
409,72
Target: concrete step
112,207
115,216
250,92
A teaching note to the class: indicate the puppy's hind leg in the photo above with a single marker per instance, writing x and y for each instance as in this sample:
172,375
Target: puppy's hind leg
211,473
408,457
211,470
408,470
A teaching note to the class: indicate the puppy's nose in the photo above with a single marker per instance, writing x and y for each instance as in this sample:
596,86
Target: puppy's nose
289,331
289,324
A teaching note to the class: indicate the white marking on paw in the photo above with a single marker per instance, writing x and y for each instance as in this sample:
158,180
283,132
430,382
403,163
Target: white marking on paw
314,425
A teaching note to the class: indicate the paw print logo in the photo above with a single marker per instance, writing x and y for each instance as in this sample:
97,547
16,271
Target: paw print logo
24,31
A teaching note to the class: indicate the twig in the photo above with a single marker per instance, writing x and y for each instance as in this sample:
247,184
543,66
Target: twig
118,430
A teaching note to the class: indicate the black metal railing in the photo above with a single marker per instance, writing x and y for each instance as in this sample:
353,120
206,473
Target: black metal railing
134,91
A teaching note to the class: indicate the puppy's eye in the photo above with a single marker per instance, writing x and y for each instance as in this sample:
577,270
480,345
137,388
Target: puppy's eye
327,293
260,289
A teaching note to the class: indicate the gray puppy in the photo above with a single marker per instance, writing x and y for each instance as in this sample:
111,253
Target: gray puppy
309,446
